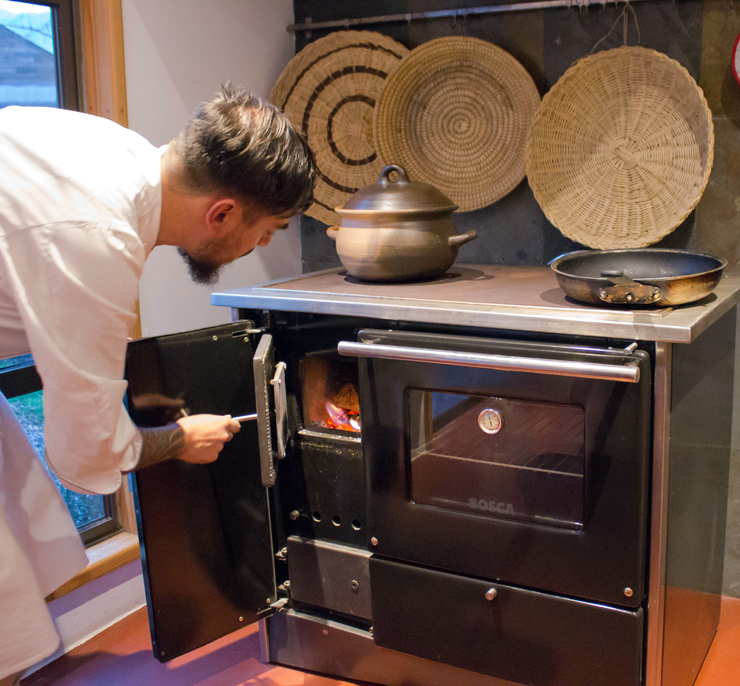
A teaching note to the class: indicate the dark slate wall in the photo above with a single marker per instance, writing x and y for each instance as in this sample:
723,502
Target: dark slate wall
700,35
514,230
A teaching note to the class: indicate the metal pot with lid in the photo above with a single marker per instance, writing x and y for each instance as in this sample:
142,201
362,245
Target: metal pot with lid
397,230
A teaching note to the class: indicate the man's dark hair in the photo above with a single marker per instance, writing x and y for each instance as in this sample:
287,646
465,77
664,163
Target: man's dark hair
242,145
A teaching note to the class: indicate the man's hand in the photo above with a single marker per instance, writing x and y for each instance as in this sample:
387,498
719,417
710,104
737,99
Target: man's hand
205,435
197,439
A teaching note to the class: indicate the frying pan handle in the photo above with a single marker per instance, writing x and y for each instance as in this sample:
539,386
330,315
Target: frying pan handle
626,291
617,276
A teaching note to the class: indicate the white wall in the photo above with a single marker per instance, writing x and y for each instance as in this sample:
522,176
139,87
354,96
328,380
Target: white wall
178,52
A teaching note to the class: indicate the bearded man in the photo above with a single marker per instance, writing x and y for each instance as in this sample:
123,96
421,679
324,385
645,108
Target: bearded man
83,202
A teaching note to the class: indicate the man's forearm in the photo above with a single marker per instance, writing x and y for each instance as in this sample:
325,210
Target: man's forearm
160,444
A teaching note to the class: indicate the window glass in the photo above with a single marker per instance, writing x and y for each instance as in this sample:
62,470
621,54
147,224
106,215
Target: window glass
28,64
85,509
496,457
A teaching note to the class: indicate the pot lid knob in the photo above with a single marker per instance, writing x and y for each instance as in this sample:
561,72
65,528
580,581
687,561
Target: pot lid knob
385,175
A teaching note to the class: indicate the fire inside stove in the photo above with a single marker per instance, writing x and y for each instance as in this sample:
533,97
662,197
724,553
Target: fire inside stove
330,399
345,418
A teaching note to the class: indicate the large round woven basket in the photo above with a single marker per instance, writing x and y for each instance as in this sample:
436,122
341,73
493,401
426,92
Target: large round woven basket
328,90
621,148
456,114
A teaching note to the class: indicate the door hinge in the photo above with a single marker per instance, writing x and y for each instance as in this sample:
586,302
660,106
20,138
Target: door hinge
272,608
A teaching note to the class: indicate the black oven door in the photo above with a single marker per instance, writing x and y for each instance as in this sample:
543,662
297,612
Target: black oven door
520,462
206,544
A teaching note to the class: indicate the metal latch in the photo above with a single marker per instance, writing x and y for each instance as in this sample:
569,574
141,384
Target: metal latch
279,604
281,408
263,362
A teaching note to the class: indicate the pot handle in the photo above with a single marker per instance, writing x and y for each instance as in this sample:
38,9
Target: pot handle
332,232
461,238
403,177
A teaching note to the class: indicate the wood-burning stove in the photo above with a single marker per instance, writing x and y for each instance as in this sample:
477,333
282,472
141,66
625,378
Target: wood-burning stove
465,481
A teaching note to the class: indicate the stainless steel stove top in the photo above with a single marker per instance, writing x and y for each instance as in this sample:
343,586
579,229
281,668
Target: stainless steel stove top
490,296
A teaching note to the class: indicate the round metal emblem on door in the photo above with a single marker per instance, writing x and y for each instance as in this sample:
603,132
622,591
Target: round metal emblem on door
490,421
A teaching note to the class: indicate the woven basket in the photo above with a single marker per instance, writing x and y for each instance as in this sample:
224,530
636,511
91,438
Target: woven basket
456,114
621,149
328,90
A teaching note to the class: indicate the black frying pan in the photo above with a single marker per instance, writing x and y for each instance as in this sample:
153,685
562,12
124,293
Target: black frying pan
649,276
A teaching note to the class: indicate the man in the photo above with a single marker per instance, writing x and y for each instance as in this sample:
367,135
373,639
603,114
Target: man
82,204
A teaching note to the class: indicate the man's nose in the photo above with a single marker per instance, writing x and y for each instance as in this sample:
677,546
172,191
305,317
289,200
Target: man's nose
265,240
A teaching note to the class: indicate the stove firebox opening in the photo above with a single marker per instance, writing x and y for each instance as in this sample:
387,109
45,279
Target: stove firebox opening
329,391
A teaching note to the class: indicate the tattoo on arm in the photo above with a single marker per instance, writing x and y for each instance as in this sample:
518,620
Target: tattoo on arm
160,444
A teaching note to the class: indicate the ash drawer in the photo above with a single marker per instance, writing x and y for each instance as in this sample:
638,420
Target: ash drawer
519,635
329,575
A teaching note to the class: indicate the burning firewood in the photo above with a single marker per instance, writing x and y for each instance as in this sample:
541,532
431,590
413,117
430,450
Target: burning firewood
346,398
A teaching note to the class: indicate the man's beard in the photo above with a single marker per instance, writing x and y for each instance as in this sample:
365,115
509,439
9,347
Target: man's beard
201,271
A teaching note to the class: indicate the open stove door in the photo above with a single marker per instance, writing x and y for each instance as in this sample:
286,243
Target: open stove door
204,530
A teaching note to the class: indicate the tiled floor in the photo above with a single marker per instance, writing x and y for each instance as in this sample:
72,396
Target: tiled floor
121,656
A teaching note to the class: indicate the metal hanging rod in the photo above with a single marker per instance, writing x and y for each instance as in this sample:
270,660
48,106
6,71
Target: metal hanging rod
462,13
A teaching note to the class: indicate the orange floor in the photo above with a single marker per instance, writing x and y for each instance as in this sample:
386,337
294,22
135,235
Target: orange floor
121,656
722,664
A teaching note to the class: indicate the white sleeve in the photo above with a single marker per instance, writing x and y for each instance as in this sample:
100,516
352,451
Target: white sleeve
75,285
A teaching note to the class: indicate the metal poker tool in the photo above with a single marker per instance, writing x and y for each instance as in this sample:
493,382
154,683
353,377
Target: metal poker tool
240,418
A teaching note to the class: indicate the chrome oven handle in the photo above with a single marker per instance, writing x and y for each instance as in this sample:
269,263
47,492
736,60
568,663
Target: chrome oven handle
629,372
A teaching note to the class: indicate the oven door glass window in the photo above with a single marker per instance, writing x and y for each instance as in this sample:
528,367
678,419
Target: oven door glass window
494,457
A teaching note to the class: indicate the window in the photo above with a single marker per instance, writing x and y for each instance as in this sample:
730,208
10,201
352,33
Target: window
95,516
38,64
38,67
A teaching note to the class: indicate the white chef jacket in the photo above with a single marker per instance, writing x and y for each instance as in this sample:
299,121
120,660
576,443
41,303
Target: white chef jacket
80,204
39,549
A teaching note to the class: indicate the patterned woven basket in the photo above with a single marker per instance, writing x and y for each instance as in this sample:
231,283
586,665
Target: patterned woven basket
328,90
456,114
621,148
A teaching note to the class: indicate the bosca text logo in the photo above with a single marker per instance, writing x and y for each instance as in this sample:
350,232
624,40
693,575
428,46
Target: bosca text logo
491,506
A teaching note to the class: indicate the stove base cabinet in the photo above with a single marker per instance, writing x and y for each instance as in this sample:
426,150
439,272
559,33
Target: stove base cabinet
288,533
317,644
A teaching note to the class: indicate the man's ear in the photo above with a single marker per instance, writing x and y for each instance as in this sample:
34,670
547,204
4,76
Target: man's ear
221,215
